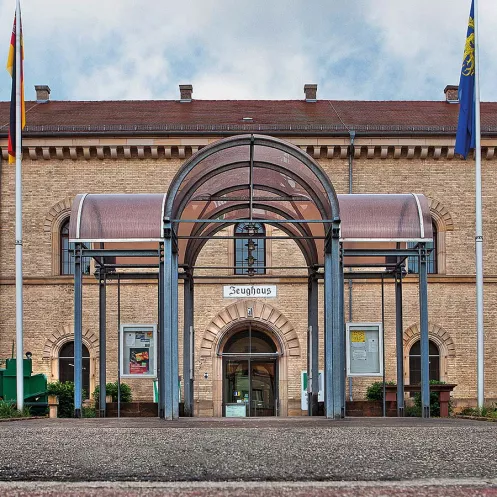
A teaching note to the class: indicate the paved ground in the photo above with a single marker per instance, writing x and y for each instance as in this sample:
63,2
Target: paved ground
361,456
459,488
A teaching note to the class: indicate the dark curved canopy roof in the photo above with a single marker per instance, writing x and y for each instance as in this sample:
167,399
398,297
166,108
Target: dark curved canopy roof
371,218
245,163
250,177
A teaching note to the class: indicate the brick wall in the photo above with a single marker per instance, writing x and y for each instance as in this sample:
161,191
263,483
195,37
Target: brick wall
49,301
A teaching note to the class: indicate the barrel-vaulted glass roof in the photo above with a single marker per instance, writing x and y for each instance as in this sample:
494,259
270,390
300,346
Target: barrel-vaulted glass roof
250,177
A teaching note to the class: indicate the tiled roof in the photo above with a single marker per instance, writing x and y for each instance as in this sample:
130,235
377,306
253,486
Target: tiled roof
227,116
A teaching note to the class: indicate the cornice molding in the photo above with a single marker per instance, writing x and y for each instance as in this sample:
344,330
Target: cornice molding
331,152
331,148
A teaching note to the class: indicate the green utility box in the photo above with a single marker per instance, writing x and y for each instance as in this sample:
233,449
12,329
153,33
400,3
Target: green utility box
35,385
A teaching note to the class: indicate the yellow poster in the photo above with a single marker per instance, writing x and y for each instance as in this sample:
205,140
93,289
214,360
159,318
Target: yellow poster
357,336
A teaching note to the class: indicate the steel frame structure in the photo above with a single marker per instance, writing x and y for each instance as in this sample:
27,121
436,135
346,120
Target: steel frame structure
331,271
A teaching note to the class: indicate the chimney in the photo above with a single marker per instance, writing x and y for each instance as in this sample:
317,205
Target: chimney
185,92
310,93
452,94
42,94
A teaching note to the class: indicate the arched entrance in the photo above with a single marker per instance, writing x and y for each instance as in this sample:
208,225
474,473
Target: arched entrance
250,373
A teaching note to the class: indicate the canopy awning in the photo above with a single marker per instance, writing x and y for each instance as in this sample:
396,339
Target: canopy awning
368,219
251,178
117,218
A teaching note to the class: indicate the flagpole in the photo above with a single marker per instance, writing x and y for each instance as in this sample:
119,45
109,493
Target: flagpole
479,229
19,299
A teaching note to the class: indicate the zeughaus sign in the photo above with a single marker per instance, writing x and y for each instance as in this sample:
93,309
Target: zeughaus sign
240,291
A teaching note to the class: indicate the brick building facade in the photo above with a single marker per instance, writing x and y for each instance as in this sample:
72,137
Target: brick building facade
137,147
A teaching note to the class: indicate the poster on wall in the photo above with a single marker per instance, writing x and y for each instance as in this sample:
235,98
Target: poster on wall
364,349
138,351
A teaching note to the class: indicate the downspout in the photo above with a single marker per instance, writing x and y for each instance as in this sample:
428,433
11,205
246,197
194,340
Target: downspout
351,164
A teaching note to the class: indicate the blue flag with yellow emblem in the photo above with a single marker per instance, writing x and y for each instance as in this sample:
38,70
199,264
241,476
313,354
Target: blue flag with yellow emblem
466,128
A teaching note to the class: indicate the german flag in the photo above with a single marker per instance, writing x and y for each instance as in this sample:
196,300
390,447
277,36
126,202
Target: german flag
11,67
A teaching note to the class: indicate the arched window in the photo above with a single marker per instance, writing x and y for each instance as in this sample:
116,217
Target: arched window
250,249
66,366
415,362
66,255
413,264
250,342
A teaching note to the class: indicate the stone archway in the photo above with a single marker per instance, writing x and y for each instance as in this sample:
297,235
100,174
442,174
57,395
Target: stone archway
53,222
437,335
59,338
235,317
443,222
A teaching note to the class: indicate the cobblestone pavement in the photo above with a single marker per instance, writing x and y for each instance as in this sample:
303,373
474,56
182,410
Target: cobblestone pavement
361,456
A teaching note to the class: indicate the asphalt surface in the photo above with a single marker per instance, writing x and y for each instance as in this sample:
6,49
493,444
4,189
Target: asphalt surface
361,456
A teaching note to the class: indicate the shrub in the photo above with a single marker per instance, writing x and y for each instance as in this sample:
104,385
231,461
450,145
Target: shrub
412,411
89,412
434,401
9,410
375,390
485,412
111,389
65,393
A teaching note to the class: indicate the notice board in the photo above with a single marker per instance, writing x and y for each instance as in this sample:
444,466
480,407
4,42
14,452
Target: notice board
138,351
364,349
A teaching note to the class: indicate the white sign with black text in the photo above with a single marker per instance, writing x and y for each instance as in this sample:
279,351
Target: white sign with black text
241,291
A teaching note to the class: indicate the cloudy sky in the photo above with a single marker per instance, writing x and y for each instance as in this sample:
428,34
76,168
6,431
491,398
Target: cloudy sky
262,49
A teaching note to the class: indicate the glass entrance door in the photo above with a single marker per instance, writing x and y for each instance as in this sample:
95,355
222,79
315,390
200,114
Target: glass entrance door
263,386
250,375
251,384
236,387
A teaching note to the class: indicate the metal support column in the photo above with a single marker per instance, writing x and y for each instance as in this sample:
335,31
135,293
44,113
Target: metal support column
338,339
334,374
102,294
166,388
188,343
328,338
343,365
399,343
162,366
78,331
119,345
313,344
423,311
384,402
174,337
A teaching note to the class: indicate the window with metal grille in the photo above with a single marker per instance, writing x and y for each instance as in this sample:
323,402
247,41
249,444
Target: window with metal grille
66,252
413,263
250,248
415,363
66,366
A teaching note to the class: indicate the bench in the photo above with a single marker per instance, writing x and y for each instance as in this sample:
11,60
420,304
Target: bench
443,391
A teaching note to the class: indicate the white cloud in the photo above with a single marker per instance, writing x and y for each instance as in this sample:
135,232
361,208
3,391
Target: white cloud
366,49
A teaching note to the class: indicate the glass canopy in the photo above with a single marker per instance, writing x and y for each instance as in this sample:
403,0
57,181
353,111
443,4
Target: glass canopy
256,178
